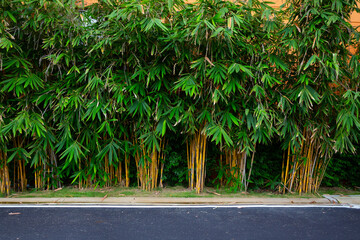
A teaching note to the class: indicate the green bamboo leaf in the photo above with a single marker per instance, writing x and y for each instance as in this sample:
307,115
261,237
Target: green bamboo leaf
235,67
7,13
218,30
311,60
160,24
60,3
278,62
170,5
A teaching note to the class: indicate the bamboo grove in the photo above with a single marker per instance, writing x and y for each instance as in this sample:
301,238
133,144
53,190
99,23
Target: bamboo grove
87,93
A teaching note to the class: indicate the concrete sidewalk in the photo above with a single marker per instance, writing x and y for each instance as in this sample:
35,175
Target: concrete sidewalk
344,199
166,201
326,200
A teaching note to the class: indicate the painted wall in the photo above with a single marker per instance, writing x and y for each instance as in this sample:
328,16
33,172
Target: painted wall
355,18
87,2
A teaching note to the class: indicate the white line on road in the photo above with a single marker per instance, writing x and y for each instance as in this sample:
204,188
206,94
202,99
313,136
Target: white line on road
351,206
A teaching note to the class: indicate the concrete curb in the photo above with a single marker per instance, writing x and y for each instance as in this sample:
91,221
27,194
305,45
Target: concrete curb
331,198
168,201
344,199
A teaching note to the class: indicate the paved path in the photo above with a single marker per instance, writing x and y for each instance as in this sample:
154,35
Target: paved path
344,199
326,200
179,223
350,200
167,200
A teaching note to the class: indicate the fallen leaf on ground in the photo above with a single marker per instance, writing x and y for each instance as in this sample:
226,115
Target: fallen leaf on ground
104,197
14,213
58,189
213,192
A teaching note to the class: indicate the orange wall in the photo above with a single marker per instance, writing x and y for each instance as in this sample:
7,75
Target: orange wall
87,2
277,3
355,18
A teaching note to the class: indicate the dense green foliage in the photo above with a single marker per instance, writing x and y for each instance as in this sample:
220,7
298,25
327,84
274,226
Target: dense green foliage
343,170
119,88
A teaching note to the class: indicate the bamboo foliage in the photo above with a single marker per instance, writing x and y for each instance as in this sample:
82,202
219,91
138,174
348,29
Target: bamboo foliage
88,94
318,101
113,78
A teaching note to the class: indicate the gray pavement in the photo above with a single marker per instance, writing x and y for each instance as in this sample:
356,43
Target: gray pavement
174,222
330,217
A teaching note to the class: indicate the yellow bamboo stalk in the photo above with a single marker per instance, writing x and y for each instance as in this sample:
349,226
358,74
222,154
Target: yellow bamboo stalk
24,175
14,177
294,173
48,178
145,170
20,175
120,170
127,174
8,183
199,165
203,163
37,173
287,168
36,177
282,171
153,172
302,141
153,168
80,177
307,168
188,161
161,161
192,159
2,179
4,174
197,187
315,174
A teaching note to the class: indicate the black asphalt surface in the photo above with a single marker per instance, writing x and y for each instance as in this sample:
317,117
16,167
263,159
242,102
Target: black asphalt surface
179,223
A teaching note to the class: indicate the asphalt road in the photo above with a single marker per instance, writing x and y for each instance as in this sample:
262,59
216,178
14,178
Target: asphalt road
179,223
